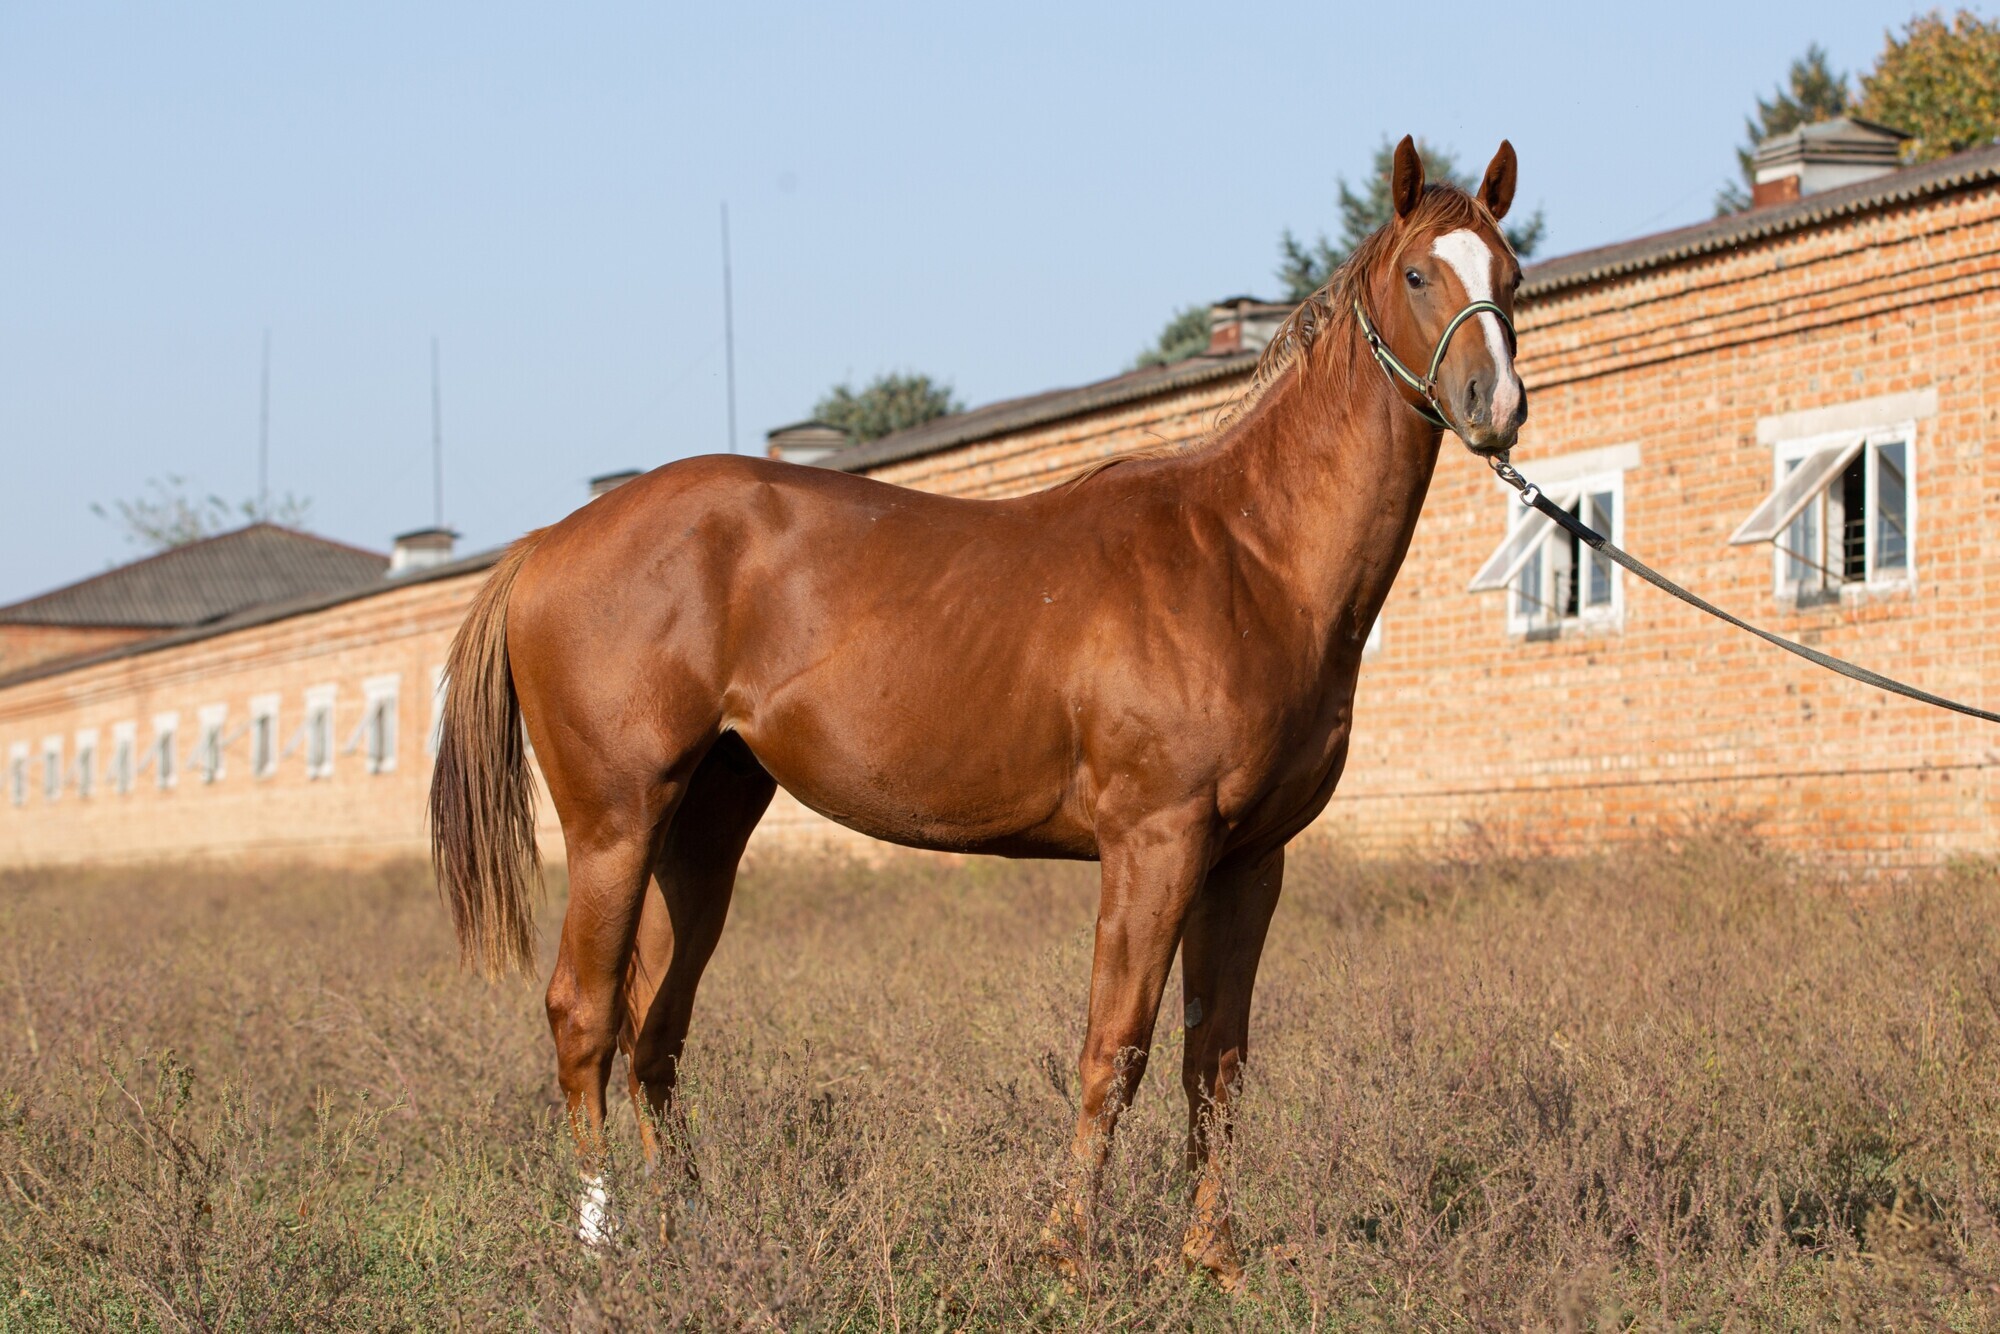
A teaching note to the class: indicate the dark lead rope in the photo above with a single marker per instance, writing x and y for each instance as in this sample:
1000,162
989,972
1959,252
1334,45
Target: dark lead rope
1532,495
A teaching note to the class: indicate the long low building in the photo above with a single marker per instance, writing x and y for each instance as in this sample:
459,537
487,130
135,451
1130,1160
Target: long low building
1788,409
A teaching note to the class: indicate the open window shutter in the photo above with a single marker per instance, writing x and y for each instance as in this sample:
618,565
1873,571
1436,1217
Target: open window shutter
1507,559
1813,474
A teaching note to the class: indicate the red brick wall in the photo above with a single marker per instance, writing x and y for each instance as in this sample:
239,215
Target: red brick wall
23,646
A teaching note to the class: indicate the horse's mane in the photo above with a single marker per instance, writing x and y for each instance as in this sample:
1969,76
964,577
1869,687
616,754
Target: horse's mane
1440,208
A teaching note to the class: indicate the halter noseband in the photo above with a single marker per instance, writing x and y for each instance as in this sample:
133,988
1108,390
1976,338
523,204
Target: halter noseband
1429,409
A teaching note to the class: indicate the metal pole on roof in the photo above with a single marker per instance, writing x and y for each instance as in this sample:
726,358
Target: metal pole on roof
437,441
728,329
264,434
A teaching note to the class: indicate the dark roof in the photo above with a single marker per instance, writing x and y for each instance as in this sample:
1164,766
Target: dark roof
262,614
1018,414
205,581
1973,167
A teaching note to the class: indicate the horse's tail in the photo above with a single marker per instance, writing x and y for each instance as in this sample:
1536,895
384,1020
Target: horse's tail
482,815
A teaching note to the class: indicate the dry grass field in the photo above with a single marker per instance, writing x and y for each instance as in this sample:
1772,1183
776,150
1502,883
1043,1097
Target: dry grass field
1690,1087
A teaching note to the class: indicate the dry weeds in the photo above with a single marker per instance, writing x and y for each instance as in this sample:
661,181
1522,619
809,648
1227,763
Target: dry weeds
1689,1088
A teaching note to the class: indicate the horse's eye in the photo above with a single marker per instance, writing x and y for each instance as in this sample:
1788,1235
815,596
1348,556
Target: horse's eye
1413,278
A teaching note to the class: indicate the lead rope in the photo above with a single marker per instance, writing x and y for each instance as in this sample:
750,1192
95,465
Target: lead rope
1532,496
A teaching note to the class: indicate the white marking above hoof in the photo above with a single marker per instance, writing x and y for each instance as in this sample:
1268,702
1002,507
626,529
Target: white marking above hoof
593,1212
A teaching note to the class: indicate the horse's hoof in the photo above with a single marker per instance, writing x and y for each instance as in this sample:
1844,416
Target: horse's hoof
1061,1255
1217,1260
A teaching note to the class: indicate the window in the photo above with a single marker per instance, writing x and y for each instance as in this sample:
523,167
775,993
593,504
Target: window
436,738
52,768
209,748
1553,580
378,722
17,773
319,732
263,735
164,759
1839,513
123,743
86,763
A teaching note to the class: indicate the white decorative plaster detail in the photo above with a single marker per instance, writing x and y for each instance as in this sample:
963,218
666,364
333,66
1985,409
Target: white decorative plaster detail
1859,415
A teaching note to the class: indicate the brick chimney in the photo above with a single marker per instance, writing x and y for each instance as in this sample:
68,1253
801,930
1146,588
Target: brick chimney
1824,156
1243,324
804,442
611,481
420,550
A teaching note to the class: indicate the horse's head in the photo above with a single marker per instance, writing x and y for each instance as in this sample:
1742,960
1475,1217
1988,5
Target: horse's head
1443,272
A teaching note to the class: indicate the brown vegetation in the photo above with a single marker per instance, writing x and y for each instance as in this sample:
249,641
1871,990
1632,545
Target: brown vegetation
1692,1087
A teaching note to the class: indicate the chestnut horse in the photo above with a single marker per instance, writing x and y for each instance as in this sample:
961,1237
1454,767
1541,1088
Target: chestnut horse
1152,666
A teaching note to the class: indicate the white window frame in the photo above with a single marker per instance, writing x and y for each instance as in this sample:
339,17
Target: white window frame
17,773
164,754
318,729
1820,585
380,720
436,737
264,742
52,768
86,763
124,742
1502,573
210,744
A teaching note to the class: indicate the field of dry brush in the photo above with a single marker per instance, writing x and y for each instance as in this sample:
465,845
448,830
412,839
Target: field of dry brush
1689,1087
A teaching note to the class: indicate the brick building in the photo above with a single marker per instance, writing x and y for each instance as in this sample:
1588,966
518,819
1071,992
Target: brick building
1787,409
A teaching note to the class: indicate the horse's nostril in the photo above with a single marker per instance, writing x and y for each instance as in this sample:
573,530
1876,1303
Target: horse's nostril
1472,397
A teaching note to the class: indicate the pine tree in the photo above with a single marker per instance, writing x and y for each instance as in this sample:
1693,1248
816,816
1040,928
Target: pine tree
1812,93
1304,268
1183,336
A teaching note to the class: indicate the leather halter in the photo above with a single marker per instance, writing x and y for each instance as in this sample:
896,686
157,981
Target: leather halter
1429,409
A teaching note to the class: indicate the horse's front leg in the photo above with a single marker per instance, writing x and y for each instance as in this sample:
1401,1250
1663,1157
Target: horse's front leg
1220,947
1151,873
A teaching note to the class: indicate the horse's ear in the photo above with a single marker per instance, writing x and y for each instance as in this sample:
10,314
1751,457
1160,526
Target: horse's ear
1406,182
1497,190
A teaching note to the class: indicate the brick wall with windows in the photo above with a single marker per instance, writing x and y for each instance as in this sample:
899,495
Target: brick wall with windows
1562,707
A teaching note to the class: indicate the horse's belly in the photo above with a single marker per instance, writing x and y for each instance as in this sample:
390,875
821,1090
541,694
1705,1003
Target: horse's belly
959,791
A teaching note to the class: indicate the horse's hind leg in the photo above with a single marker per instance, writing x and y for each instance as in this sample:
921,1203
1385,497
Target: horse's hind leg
611,832
695,868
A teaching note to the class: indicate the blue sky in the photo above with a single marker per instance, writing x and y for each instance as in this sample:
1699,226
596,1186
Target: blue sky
1011,201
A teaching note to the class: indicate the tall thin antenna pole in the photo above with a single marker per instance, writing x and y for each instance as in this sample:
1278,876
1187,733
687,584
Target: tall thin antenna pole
264,433
728,329
437,441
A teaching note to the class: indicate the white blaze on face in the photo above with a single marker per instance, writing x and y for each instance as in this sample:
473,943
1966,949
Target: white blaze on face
1472,260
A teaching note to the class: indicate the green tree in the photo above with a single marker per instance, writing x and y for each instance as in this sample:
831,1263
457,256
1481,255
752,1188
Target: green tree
1940,82
1811,93
167,515
890,403
1184,335
1304,268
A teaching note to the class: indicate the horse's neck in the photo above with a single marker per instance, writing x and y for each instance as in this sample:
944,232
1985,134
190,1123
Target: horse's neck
1328,473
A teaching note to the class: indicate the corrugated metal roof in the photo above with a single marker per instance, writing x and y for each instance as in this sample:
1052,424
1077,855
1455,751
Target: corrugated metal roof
1974,167
205,581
